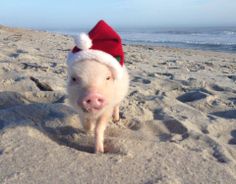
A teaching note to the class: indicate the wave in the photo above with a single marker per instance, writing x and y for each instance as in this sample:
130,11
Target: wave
186,31
228,47
230,32
182,42
196,32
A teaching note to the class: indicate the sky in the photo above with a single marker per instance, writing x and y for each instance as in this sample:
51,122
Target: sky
72,14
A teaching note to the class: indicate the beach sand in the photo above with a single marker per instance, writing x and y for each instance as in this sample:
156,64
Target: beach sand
178,122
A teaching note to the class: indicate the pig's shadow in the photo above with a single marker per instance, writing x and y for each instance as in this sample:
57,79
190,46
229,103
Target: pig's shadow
65,136
50,118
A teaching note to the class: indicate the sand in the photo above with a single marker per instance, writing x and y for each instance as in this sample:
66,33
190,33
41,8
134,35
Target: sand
178,122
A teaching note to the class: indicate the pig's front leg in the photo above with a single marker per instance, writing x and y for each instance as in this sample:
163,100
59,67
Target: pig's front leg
99,133
116,114
89,125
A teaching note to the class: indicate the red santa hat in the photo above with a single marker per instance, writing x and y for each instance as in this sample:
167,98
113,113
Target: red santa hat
102,44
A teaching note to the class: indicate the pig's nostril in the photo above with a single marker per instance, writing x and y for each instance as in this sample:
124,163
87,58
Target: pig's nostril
88,101
100,100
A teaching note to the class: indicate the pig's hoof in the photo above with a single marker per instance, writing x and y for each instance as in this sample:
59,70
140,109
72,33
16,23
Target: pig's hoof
99,148
98,151
115,119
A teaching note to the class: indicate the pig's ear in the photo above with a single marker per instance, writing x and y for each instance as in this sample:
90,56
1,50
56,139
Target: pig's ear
83,41
116,74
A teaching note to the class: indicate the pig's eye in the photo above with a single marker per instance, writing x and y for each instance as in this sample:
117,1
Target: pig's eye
73,79
108,78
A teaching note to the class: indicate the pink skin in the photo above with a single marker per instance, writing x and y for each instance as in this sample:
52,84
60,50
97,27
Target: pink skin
96,95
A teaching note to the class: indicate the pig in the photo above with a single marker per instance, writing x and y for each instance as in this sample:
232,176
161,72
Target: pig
95,93
97,79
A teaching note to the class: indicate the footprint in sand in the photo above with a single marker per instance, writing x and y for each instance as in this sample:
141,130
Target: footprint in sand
34,66
228,114
134,125
233,100
196,67
14,55
214,148
171,123
233,139
13,38
166,75
232,77
192,96
142,80
218,88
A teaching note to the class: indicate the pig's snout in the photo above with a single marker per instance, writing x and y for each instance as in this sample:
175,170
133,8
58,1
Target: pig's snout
93,101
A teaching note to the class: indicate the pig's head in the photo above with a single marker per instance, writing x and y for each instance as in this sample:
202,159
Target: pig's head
95,65
90,86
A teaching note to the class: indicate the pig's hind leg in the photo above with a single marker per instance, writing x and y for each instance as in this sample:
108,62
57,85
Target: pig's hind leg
116,114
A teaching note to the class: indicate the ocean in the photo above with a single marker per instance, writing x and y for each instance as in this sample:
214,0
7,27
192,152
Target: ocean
214,39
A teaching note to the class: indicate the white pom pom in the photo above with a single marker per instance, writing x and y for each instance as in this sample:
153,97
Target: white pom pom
83,41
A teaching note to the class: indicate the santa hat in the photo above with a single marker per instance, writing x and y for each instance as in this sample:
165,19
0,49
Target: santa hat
102,44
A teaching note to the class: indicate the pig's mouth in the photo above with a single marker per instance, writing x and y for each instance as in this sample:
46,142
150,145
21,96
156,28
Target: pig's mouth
91,110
